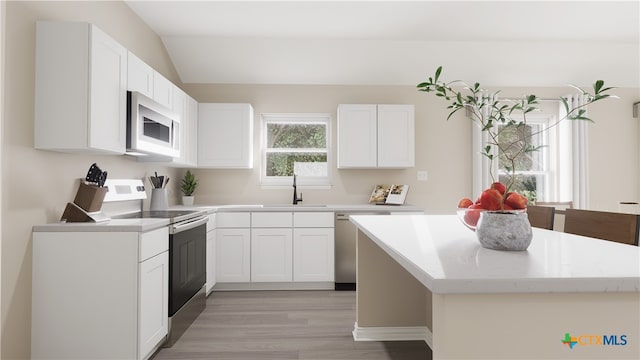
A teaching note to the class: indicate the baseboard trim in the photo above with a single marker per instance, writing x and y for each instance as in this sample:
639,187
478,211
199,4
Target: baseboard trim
319,285
393,333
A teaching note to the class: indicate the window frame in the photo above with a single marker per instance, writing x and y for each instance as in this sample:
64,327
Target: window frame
549,155
282,182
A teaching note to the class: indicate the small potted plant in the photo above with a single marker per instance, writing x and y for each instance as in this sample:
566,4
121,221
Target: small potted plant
188,186
505,207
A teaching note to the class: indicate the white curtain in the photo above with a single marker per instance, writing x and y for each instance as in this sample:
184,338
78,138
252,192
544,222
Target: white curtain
579,153
481,164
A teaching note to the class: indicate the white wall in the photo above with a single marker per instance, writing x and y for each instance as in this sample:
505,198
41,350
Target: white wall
2,33
442,147
36,184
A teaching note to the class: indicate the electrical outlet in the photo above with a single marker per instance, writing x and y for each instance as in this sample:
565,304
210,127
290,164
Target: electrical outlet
423,175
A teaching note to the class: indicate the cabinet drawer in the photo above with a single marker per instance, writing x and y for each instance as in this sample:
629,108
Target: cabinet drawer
233,220
313,219
153,243
271,220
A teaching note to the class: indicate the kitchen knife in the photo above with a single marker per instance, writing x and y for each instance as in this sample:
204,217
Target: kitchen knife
94,174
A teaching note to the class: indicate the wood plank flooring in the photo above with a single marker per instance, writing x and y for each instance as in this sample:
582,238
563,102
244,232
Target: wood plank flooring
282,325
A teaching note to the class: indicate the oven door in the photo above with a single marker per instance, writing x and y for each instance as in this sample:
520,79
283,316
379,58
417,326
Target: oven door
187,262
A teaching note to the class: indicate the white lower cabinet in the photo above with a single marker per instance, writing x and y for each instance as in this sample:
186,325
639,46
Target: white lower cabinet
99,295
233,247
154,302
211,254
233,255
313,254
274,250
313,246
271,255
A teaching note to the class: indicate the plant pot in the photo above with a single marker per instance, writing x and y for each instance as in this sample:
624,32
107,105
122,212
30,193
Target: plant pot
504,230
187,200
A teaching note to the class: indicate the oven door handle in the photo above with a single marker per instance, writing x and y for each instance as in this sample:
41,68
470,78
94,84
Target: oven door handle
187,225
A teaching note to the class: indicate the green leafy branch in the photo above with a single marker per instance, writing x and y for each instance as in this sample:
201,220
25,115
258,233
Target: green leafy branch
496,116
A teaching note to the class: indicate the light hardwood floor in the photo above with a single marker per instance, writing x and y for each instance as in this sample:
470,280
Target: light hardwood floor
282,325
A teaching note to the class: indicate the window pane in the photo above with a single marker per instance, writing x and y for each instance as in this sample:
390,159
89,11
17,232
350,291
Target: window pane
512,139
529,185
298,136
304,164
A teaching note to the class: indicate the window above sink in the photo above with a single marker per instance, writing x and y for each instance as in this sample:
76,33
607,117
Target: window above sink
296,143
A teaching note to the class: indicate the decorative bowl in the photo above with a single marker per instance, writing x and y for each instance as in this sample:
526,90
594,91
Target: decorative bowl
469,217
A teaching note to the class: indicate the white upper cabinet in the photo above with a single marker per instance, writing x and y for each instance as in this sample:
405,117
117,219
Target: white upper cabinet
396,136
376,136
191,139
187,107
81,84
147,81
139,76
225,135
162,90
357,136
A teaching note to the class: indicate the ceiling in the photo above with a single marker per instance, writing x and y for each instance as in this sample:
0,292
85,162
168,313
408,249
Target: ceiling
499,43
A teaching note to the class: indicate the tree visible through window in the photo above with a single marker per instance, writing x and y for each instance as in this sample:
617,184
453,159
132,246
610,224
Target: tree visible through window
533,170
295,144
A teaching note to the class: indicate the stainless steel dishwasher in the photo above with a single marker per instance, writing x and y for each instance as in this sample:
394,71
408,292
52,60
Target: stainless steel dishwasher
345,249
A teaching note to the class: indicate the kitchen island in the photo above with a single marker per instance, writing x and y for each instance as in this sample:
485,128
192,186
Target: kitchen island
566,297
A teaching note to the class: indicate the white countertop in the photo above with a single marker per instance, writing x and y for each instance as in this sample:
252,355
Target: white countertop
446,257
113,225
306,207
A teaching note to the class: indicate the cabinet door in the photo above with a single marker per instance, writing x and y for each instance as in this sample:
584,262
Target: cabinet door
313,254
396,136
139,76
271,255
190,145
88,115
357,136
233,255
162,90
180,108
225,135
108,91
153,307
211,260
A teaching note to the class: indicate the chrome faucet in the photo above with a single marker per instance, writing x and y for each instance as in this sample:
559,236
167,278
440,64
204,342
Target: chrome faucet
296,199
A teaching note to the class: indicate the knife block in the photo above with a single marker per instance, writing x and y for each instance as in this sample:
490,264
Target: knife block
90,198
86,205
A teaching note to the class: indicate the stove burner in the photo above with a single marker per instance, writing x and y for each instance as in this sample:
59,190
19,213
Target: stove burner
166,214
172,215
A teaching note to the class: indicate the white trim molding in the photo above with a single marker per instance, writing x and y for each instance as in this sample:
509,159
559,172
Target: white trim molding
393,333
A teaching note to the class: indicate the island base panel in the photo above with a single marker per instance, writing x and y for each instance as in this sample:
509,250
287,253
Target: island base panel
387,295
533,326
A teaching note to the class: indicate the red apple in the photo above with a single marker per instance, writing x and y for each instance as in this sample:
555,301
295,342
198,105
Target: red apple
491,199
499,186
465,203
472,215
516,201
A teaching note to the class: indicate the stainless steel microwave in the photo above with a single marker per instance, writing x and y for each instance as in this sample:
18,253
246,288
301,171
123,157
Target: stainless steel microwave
152,129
